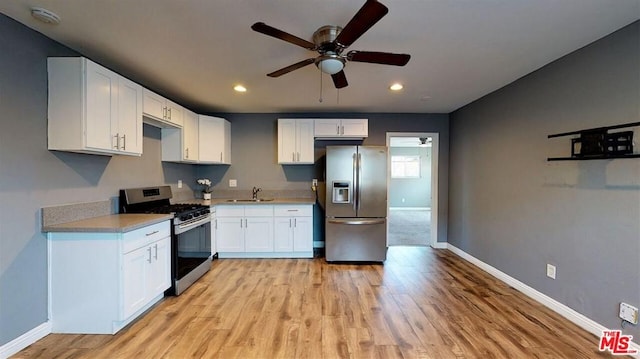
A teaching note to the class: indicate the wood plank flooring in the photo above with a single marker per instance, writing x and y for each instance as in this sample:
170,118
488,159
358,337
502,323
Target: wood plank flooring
422,303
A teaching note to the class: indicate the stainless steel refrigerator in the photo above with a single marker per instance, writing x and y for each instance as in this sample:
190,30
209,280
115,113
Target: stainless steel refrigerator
356,203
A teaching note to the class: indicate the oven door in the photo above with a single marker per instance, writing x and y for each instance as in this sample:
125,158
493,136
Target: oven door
191,253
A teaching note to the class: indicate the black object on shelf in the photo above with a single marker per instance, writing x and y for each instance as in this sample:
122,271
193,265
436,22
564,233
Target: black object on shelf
599,143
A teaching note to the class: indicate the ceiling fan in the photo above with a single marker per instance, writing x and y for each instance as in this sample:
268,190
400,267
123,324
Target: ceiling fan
330,41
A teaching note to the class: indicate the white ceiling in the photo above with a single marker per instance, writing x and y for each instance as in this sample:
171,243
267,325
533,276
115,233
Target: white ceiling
196,50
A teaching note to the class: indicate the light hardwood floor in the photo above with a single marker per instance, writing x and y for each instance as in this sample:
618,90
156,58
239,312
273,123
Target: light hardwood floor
422,303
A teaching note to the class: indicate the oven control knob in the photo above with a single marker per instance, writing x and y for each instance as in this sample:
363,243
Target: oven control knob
205,211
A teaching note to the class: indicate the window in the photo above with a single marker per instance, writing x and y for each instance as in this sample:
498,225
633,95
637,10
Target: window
405,166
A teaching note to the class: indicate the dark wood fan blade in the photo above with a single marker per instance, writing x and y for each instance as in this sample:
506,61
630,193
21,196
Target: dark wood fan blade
340,80
370,13
263,28
290,68
375,57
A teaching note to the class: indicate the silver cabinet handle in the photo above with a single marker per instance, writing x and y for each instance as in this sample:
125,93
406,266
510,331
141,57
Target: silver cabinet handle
342,130
164,112
187,153
289,222
241,223
293,156
292,210
295,222
149,250
220,156
151,234
337,129
124,142
298,156
215,224
169,111
156,256
117,145
246,225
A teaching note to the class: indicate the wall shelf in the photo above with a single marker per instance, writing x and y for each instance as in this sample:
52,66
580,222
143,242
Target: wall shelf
599,144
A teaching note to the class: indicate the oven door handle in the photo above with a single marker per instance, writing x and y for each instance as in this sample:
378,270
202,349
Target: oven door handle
181,228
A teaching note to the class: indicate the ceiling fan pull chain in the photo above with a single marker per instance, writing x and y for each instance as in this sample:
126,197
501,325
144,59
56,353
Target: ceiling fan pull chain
320,100
337,96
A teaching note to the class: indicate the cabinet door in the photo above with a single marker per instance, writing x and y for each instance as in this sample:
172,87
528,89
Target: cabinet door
355,128
213,139
129,130
327,127
190,137
159,277
230,234
302,234
226,136
287,141
174,113
283,234
258,234
134,276
214,225
304,141
101,110
153,104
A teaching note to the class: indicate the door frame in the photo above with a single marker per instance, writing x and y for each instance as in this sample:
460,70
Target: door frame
435,146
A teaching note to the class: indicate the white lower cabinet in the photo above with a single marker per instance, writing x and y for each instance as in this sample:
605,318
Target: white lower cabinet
244,229
264,231
100,282
294,229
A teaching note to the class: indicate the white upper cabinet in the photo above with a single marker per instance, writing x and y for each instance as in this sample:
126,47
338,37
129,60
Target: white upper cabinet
92,109
214,140
329,128
161,112
181,144
295,141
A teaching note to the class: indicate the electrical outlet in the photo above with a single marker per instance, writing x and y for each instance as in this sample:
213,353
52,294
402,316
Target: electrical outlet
551,271
629,313
179,183
233,183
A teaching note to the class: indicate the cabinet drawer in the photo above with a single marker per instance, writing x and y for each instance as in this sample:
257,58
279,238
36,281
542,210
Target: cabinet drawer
143,236
230,211
258,210
293,211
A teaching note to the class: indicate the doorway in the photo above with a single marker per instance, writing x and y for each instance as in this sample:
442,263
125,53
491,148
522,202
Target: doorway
412,191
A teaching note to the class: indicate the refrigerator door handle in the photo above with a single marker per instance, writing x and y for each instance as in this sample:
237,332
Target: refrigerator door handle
357,221
359,178
354,191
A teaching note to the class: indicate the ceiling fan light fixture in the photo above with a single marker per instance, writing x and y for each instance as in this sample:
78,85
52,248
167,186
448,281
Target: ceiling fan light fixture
330,64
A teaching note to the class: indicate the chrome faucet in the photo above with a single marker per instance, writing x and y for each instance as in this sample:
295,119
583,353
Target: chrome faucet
255,192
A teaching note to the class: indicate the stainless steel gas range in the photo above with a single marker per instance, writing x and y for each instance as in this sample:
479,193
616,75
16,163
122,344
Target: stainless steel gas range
190,232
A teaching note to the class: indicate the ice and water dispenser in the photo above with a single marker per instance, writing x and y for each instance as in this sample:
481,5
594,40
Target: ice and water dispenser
341,192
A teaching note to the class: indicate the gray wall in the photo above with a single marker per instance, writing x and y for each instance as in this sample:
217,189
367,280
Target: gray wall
512,209
32,177
412,192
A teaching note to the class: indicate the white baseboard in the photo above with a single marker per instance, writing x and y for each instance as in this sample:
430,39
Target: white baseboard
25,340
439,245
580,320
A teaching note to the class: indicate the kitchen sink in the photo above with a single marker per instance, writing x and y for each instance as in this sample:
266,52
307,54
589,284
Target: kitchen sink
251,200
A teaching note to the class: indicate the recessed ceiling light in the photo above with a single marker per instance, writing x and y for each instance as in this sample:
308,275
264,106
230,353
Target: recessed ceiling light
45,15
396,87
240,88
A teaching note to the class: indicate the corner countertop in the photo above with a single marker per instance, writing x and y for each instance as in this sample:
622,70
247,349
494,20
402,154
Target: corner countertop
228,201
115,223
